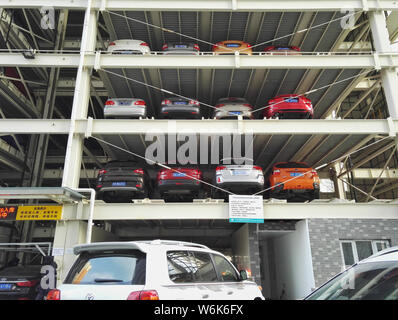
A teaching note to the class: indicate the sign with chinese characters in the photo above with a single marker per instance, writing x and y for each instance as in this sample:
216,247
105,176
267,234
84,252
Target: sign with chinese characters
39,213
246,209
8,212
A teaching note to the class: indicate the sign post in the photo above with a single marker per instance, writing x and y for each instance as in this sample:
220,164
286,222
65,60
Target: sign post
246,209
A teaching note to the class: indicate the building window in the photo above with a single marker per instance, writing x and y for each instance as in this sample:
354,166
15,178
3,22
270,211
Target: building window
354,251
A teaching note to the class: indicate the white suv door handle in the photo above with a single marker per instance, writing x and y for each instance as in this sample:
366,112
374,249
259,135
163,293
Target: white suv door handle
205,296
230,292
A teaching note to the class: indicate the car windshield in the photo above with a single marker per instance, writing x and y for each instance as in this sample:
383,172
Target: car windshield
364,281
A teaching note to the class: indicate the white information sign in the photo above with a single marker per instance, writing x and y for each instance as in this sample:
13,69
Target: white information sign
246,209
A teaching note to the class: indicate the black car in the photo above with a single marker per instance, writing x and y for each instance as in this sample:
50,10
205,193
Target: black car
180,108
20,282
121,181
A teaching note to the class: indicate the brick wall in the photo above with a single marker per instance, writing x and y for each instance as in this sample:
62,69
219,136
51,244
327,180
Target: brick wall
325,235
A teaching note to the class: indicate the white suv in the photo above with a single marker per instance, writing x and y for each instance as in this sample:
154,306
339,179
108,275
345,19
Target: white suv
152,270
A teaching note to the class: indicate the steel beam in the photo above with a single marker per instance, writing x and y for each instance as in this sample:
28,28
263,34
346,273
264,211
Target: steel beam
264,127
106,61
74,149
389,77
210,5
219,211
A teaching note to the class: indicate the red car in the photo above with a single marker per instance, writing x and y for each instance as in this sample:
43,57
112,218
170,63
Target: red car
283,50
289,106
179,183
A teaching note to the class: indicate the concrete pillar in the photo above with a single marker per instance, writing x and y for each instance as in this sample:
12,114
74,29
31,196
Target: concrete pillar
389,77
245,248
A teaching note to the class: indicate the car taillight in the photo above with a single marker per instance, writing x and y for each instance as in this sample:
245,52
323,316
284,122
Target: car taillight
296,48
269,48
314,173
249,45
196,172
110,103
248,105
27,283
144,44
139,103
99,186
139,171
218,44
196,103
221,168
143,295
54,294
220,105
165,46
276,172
196,47
112,43
102,171
166,101
258,168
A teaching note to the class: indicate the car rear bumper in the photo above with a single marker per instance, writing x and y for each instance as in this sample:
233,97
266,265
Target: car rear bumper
180,111
286,187
135,185
181,52
236,185
178,186
226,114
124,112
288,113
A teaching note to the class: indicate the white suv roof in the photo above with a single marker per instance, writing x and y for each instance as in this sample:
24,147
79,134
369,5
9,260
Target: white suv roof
140,245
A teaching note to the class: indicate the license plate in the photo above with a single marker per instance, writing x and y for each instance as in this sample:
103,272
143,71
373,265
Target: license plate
124,103
118,184
295,174
177,174
5,286
292,100
180,102
233,45
180,46
235,112
283,48
239,172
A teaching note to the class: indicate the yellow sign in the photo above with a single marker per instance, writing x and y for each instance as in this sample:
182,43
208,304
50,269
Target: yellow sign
39,213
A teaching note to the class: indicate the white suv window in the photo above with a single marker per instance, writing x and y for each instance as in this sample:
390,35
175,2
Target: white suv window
119,267
186,267
225,269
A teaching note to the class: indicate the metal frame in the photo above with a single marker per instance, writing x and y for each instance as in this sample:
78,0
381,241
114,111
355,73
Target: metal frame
211,5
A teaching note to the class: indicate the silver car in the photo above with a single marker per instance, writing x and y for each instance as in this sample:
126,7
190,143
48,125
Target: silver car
180,108
231,108
240,179
124,108
180,48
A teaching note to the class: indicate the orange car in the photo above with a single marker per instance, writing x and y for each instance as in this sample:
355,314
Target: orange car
231,46
284,184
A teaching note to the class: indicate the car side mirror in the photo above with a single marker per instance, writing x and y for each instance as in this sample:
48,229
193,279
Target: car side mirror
243,275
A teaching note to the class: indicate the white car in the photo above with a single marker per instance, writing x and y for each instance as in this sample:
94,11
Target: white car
124,108
153,270
128,46
231,108
374,278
